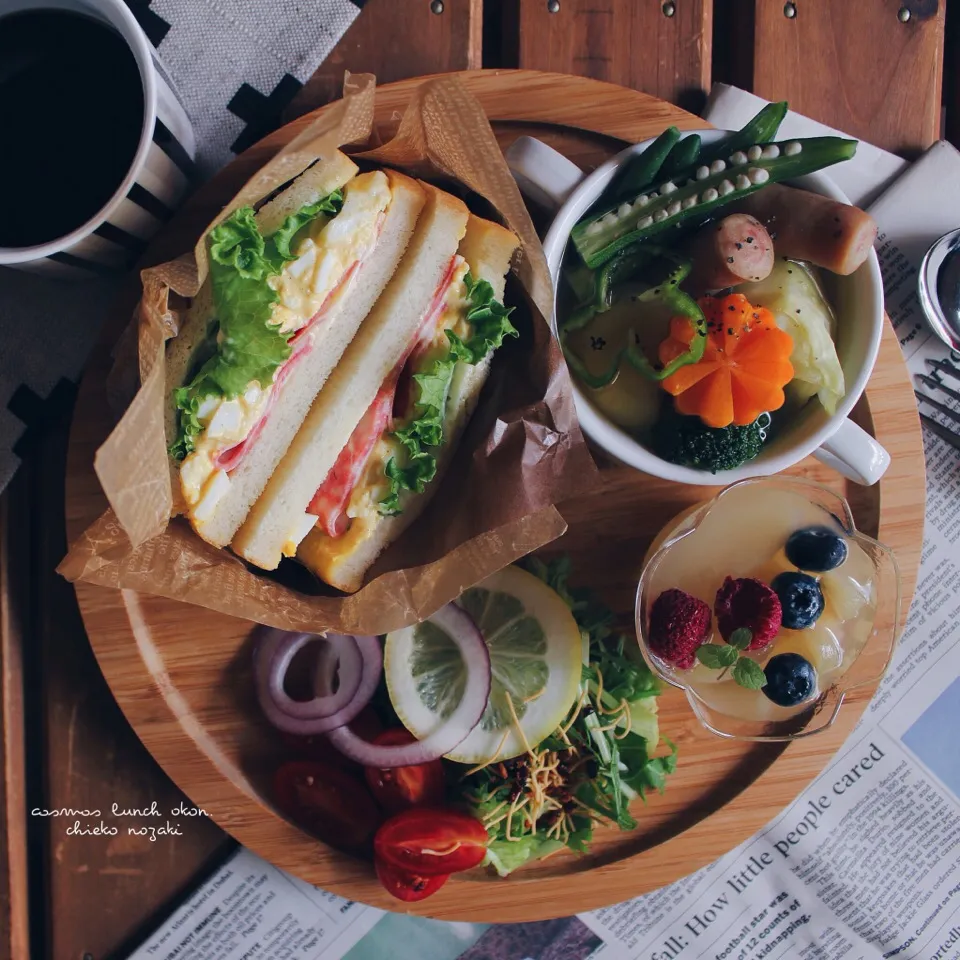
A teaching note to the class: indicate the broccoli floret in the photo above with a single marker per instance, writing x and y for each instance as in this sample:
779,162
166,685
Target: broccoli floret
690,442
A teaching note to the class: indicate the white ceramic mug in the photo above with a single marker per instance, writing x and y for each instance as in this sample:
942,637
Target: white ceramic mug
550,179
157,181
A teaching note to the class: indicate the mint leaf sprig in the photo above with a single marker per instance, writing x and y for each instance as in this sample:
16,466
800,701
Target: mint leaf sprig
746,672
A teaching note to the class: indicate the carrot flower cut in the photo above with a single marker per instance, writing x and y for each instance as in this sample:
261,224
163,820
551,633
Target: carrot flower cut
744,368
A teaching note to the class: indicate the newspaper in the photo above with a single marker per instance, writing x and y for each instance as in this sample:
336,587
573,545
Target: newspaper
864,865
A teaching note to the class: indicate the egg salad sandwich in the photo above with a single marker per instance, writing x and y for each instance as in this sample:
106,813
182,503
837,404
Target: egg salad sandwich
289,286
382,431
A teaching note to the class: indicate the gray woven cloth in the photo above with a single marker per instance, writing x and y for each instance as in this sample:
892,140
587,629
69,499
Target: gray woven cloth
236,65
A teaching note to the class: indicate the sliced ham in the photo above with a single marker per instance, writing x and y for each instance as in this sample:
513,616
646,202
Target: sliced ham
230,458
330,501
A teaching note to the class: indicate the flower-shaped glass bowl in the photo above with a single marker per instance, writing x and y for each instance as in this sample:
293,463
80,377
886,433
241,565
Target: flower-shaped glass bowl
741,533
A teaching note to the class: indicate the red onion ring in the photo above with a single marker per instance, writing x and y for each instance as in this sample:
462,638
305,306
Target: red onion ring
343,649
275,649
457,624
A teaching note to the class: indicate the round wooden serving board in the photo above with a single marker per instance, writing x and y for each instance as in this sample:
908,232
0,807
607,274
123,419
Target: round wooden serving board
181,673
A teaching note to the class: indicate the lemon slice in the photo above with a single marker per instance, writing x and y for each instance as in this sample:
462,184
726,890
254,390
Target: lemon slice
535,651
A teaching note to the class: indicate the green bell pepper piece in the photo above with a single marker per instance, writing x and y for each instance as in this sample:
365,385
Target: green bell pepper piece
622,267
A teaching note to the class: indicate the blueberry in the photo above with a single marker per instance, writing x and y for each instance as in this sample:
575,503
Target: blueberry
800,597
816,548
791,679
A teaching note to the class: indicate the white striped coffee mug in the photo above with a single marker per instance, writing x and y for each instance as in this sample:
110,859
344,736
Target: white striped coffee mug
156,181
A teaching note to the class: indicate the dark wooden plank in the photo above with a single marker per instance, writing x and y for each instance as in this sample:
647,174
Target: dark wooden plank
14,913
951,77
856,66
733,30
396,39
660,48
99,889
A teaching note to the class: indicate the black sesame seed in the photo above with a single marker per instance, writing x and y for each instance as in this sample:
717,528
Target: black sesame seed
798,309
749,239
730,331
731,307
729,259
739,246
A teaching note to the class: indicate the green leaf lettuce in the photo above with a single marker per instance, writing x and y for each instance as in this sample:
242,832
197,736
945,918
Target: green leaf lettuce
242,345
490,323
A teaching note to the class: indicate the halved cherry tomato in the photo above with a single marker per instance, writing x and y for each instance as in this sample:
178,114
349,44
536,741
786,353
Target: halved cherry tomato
408,886
429,841
327,802
317,747
400,788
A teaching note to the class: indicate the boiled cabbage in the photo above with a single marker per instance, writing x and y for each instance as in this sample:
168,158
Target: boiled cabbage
793,296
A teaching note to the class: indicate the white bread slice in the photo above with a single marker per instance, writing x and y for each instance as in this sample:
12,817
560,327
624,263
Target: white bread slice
330,338
487,248
276,518
315,183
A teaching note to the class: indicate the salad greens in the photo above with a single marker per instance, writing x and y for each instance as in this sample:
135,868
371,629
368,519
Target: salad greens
242,345
490,321
592,766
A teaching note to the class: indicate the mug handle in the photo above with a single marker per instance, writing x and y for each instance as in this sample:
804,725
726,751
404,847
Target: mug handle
544,175
854,454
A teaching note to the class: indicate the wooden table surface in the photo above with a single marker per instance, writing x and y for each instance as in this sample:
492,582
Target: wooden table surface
64,742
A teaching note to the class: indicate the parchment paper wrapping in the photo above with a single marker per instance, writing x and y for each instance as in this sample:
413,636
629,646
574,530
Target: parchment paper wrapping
522,453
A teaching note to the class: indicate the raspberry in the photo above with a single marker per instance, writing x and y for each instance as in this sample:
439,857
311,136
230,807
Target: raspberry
679,623
751,604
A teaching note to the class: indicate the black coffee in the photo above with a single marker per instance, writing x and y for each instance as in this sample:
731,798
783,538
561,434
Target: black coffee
71,114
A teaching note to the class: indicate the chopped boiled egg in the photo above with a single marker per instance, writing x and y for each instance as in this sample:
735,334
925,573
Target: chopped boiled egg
324,257
207,407
306,523
213,493
226,423
454,314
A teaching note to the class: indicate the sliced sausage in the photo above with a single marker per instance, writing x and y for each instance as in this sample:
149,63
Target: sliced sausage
807,226
731,251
